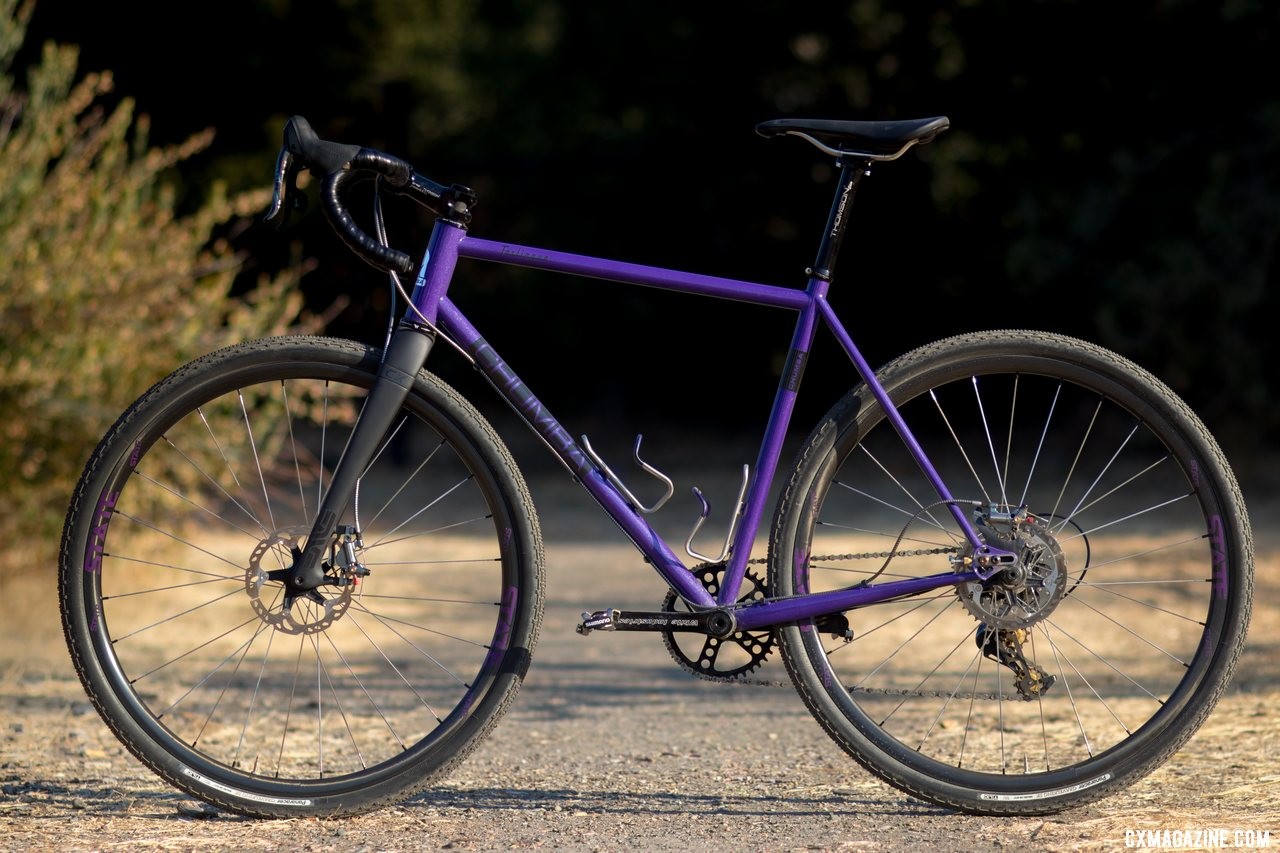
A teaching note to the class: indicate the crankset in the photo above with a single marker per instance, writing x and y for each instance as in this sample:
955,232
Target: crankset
725,658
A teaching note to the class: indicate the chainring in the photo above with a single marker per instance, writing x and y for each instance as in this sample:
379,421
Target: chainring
717,659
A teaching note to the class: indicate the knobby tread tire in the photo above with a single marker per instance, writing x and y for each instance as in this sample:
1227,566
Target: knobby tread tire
406,781
840,419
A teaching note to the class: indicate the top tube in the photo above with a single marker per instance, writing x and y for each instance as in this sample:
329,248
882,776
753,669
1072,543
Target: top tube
584,265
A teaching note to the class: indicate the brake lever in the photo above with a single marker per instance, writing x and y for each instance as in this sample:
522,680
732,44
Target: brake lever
285,197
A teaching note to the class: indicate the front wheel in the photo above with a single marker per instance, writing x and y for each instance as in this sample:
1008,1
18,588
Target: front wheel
1075,671
180,625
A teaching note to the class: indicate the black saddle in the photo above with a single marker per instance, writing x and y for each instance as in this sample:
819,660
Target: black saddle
866,137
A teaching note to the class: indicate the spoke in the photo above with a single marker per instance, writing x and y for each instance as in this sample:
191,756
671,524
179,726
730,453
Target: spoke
1008,441
257,462
1110,492
927,676
230,470
885,503
904,489
337,701
1105,468
952,695
986,428
1128,517
319,703
293,446
933,543
216,484
903,644
376,708
253,699
195,649
490,603
1128,630
406,482
324,435
387,620
386,442
1104,661
350,435
188,500
1102,588
243,647
1044,729
435,562
863,634
288,711
973,698
177,539
1040,446
848,571
236,577
446,493
959,446
1074,462
238,581
177,615
384,541
1066,684
1113,561
421,699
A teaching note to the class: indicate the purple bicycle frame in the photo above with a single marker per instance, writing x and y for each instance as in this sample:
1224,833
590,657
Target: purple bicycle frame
430,297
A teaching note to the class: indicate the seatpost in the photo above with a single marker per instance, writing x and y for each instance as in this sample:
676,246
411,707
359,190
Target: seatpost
851,172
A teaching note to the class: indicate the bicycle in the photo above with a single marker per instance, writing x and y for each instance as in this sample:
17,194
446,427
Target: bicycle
303,576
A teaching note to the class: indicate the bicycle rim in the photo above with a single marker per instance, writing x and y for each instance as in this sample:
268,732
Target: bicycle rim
176,610
1106,648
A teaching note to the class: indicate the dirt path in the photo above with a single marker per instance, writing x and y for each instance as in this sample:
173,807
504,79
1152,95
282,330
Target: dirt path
611,747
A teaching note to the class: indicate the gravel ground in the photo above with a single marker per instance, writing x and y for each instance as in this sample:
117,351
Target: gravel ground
610,746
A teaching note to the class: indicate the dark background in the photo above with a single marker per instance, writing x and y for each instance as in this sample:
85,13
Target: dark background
1111,172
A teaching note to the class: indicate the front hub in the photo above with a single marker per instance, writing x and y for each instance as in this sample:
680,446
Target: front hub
275,601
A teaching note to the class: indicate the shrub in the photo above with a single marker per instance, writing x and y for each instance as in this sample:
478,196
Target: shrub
104,287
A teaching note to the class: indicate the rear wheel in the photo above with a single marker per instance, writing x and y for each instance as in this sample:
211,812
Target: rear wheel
175,610
1079,669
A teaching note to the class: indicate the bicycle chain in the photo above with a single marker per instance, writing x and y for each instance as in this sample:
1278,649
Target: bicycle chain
744,680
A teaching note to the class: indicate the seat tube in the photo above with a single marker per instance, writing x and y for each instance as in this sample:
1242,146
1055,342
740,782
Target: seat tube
784,402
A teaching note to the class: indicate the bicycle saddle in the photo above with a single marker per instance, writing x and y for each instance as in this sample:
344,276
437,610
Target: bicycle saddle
869,137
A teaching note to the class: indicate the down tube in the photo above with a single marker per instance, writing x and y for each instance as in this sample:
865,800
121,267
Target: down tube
567,450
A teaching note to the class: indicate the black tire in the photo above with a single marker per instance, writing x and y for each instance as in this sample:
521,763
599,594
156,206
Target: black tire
1135,598
180,633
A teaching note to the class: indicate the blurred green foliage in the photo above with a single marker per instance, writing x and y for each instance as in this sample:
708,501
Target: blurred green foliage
103,288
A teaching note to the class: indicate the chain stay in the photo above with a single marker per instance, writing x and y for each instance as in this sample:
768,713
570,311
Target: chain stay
874,691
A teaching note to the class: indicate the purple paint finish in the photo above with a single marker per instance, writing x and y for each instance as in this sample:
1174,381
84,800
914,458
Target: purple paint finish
771,448
449,242
570,454
1218,546
777,611
564,262
98,536
436,271
895,418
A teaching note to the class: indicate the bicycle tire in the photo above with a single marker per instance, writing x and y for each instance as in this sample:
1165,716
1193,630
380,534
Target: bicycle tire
1133,607
180,632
